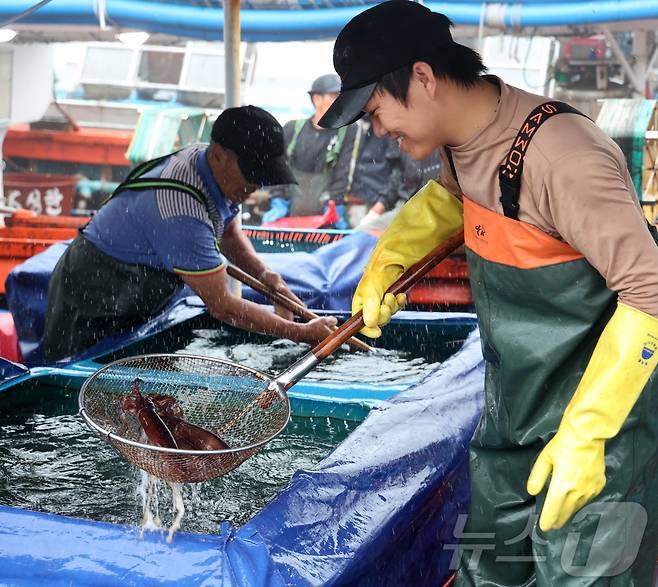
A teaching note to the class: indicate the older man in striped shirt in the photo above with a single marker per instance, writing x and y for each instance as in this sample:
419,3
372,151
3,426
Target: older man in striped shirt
170,223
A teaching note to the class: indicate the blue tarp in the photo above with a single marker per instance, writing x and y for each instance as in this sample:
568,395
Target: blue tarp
326,277
27,298
379,510
10,369
48,550
323,279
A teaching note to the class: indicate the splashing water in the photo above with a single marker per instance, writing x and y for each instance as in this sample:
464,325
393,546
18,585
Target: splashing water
150,489
179,508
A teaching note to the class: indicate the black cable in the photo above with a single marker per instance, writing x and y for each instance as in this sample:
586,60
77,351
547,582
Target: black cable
24,13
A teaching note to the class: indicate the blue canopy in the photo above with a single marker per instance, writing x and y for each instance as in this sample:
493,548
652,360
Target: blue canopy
307,19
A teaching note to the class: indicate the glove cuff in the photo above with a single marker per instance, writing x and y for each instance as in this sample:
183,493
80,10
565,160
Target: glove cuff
621,364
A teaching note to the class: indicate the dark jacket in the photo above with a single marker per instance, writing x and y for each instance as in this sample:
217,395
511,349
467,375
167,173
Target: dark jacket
370,176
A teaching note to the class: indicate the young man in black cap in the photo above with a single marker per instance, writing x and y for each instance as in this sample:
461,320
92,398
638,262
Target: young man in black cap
563,270
170,223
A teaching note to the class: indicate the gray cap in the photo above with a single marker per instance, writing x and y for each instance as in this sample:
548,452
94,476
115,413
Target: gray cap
326,84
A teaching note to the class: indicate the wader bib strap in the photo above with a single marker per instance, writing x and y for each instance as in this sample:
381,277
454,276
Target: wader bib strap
299,125
356,145
541,307
134,181
509,173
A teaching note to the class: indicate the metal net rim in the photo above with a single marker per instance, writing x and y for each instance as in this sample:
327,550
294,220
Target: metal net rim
107,436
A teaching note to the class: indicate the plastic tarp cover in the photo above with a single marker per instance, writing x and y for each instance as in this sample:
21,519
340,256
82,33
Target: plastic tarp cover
44,549
323,279
27,296
326,278
202,20
10,369
379,510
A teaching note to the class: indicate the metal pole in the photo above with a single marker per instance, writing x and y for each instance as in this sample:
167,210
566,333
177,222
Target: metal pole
3,131
232,82
232,52
641,54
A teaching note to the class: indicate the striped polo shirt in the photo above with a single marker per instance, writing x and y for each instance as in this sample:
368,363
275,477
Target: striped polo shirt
166,228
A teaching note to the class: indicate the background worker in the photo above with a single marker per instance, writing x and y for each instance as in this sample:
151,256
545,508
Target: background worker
368,171
165,227
563,270
406,178
347,165
312,153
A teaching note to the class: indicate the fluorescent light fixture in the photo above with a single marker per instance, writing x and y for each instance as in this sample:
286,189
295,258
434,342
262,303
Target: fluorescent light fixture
133,38
6,35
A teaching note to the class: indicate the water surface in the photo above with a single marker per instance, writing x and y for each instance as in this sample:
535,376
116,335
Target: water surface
380,367
51,462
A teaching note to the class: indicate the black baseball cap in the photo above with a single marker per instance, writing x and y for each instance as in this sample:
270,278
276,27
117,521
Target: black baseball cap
256,137
325,84
378,41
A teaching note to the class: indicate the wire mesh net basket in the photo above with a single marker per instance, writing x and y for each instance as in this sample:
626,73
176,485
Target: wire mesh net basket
233,402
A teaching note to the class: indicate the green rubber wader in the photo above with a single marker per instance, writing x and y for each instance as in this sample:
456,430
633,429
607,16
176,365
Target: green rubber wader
538,327
541,309
309,196
92,295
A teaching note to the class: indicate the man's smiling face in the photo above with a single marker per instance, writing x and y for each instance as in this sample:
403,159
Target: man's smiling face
410,124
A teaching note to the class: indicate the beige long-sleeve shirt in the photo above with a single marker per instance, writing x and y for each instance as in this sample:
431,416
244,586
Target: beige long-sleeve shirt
575,187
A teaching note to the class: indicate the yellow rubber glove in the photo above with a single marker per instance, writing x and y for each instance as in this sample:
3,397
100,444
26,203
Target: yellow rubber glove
618,370
429,217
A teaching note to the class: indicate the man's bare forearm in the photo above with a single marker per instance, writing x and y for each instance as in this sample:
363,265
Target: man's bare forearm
255,318
238,249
